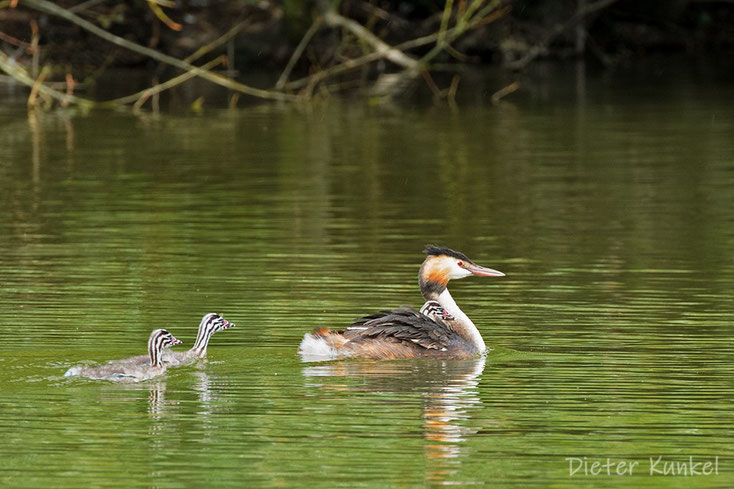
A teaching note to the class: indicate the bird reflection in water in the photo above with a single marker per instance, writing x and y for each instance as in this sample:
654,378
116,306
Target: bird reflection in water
157,398
449,394
157,408
160,407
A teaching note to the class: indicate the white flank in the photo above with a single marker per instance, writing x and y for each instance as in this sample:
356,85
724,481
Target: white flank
316,349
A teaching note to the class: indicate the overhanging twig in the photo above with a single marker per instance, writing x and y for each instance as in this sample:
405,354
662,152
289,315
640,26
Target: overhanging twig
297,53
480,17
217,42
148,92
385,50
50,8
18,73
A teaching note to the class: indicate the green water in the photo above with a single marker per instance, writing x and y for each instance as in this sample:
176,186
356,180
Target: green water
611,214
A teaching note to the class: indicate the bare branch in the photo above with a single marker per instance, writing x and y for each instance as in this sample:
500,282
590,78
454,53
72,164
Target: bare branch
50,8
148,92
207,48
385,50
18,73
297,53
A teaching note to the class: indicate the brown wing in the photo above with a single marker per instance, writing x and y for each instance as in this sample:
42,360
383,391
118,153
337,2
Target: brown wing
402,325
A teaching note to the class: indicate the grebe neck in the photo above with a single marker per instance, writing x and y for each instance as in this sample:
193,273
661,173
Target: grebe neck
202,340
154,350
461,324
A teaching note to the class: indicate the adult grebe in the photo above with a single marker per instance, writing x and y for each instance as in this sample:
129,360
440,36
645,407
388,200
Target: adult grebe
439,330
130,369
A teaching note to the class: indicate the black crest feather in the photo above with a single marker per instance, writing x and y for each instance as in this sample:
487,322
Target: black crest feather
442,250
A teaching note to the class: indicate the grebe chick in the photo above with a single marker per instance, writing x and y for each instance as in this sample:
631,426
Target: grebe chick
439,330
211,323
435,311
130,369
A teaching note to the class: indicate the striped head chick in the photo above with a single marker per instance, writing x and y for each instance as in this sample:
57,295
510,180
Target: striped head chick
211,323
159,339
435,311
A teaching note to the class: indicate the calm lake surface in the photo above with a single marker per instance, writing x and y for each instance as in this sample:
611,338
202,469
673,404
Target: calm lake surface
608,202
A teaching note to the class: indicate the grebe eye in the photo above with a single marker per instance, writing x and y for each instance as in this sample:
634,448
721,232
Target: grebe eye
460,263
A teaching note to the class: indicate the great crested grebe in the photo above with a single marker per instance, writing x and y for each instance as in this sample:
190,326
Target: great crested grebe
439,330
131,369
211,323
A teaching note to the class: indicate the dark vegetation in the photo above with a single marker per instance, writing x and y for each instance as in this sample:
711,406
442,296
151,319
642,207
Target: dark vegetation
62,50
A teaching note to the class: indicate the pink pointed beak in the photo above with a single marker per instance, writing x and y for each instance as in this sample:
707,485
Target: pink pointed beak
483,271
228,325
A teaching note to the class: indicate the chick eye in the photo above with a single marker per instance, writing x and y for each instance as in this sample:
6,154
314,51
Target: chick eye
460,263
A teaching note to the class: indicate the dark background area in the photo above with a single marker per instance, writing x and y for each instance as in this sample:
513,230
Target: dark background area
622,30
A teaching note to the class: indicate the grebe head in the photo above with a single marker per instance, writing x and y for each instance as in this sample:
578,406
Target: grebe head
443,264
160,339
214,322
